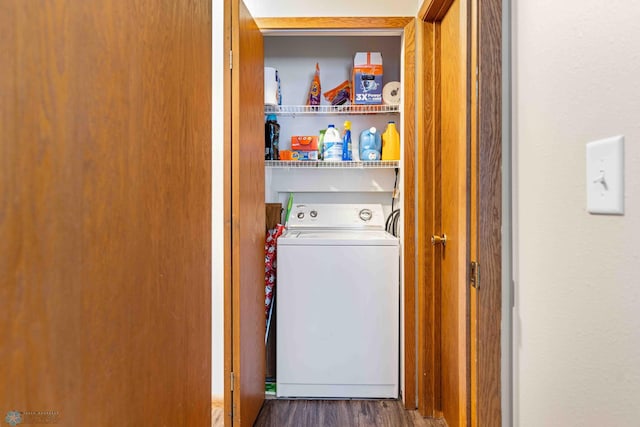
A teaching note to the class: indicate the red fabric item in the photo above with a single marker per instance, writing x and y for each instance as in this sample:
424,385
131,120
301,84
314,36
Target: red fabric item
270,250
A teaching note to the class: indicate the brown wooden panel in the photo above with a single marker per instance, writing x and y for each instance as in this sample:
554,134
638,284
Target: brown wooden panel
346,23
490,211
248,215
105,210
453,204
273,215
409,220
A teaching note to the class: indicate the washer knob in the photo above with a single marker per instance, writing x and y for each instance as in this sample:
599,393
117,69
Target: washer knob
300,215
313,214
365,214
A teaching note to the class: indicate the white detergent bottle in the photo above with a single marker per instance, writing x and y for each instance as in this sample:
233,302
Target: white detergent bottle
332,145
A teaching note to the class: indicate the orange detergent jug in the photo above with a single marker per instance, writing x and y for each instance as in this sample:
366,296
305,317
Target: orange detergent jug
391,143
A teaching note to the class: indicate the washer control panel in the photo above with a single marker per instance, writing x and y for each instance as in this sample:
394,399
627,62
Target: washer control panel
337,216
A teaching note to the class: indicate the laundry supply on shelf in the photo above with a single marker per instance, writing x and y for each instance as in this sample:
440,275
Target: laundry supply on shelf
370,144
321,144
367,78
271,138
315,89
391,142
340,94
304,143
272,92
332,151
391,93
346,142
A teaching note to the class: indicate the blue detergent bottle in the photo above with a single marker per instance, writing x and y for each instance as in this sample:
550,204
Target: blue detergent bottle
346,142
370,144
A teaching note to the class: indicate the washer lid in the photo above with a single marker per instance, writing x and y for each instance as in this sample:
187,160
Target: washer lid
338,238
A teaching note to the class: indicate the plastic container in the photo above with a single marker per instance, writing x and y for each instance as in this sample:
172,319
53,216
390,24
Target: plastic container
370,144
332,145
321,144
355,151
391,142
346,142
272,94
271,138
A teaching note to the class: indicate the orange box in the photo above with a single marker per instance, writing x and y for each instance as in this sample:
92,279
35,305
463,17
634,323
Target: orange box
286,155
304,143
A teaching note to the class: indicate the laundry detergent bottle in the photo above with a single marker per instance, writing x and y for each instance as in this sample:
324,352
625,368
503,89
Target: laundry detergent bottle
321,144
332,145
391,142
271,138
346,142
370,144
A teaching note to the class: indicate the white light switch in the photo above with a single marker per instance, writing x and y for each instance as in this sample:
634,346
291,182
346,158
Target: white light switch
605,176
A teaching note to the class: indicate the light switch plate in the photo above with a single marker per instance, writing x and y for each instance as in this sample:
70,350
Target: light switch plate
605,176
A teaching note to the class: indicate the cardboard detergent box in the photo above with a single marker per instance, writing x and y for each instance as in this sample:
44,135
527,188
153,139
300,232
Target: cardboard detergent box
304,143
367,78
304,155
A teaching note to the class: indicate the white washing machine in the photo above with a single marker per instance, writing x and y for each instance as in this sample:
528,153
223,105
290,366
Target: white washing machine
337,304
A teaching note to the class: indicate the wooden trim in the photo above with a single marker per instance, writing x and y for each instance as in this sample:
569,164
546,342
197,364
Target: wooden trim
423,265
434,10
408,25
409,222
228,300
473,222
428,113
490,211
342,22
436,226
429,194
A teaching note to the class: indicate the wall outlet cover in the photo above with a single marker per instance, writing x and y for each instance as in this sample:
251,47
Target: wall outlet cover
605,176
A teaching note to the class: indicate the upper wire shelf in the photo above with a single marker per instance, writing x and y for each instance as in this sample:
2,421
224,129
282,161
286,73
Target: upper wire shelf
294,110
376,164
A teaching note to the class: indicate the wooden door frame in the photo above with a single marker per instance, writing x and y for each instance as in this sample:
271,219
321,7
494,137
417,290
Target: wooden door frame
228,300
408,26
487,112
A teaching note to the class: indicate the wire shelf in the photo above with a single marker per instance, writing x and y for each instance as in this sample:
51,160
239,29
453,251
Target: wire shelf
293,110
378,164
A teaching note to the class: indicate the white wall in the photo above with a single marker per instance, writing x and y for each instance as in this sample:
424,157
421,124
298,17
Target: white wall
217,227
284,8
577,347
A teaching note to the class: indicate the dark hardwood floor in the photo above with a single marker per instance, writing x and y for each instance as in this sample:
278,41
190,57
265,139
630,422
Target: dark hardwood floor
340,413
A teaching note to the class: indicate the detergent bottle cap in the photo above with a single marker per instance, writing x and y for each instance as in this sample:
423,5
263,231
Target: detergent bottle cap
391,121
347,125
331,126
272,118
372,129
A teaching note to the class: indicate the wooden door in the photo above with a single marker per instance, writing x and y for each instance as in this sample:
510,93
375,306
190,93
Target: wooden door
459,194
105,212
245,354
454,207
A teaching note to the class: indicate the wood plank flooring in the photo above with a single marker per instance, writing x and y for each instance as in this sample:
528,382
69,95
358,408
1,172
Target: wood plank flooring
340,413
